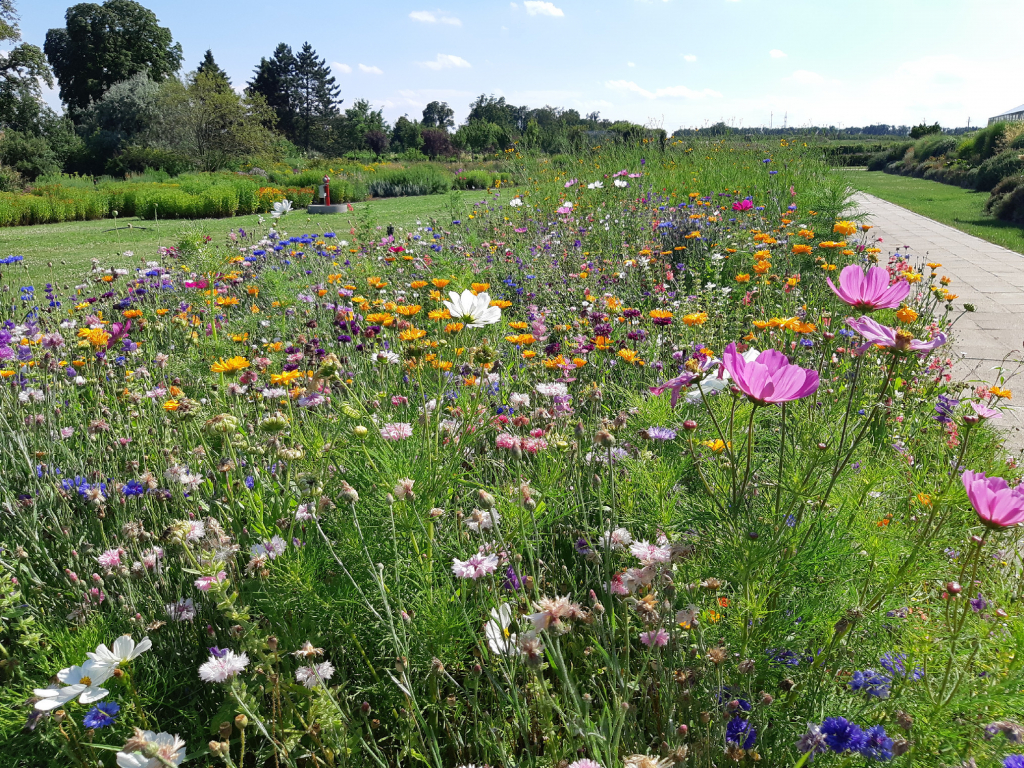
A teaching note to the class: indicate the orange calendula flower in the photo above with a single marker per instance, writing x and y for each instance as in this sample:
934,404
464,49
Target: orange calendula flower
523,339
162,312
1003,393
762,266
603,343
130,314
695,318
439,314
519,326
453,327
171,405
479,287
408,310
660,314
933,264
226,301
232,365
501,304
380,318
801,249
630,356
760,324
762,255
529,354
716,446
439,283
416,284
906,315
411,334
844,228
806,234
743,278
579,362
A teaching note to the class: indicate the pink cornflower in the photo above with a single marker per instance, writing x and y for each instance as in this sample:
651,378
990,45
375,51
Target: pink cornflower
403,489
315,674
533,445
476,566
657,639
871,291
111,558
397,431
649,554
183,610
770,378
997,504
585,763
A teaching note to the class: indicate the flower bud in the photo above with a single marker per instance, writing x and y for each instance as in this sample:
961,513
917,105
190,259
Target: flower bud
360,431
241,721
365,707
604,438
485,498
348,493
689,425
682,730
954,588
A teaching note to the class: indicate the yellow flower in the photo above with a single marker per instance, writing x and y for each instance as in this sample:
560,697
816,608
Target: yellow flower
602,343
285,378
529,354
501,304
523,339
762,266
479,287
1004,393
440,283
630,356
415,284
380,318
844,228
439,314
227,301
171,405
411,334
802,248
232,365
807,234
519,326
453,327
408,310
906,315
660,314
695,318
743,278
716,446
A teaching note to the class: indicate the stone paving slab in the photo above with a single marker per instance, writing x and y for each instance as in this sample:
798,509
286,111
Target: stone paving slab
986,275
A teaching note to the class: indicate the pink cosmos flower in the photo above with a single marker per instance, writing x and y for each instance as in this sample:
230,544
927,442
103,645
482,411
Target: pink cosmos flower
871,291
742,205
898,340
476,566
985,412
770,378
397,431
203,583
997,504
656,639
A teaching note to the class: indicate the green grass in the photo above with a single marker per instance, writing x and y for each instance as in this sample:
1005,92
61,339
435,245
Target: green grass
955,206
70,246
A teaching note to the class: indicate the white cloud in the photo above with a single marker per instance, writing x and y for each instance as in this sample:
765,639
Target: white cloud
689,57
370,70
630,64
542,8
675,91
514,6
430,18
775,53
341,67
805,77
446,61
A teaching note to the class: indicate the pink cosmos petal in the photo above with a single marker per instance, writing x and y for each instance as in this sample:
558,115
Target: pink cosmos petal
997,504
771,378
870,291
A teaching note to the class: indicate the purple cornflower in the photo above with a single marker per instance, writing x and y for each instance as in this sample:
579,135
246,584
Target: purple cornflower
740,732
872,683
893,664
512,582
877,745
1013,761
660,433
841,735
979,603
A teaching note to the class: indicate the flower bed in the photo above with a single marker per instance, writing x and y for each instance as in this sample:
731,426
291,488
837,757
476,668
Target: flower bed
605,470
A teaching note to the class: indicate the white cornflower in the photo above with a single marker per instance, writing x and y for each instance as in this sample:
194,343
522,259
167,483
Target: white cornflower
169,750
222,666
315,674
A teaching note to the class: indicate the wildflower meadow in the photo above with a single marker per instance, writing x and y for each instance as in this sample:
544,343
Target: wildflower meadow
651,457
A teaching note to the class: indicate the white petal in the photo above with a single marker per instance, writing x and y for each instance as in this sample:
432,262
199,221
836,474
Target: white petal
91,694
144,645
123,647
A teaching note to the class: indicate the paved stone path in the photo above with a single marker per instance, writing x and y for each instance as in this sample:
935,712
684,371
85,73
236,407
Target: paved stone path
986,275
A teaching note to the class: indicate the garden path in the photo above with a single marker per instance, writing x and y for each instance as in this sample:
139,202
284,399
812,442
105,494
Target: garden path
988,276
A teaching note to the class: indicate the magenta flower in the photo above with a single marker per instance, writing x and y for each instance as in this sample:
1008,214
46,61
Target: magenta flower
676,385
871,291
997,504
890,338
742,205
771,378
985,412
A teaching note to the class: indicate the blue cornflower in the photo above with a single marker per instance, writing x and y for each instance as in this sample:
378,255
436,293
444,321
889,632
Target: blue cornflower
872,683
877,745
841,735
783,656
1013,761
133,488
101,715
740,732
893,664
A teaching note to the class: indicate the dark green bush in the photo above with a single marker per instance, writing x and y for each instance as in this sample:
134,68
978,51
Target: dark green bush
407,182
934,145
1007,200
135,159
878,161
995,169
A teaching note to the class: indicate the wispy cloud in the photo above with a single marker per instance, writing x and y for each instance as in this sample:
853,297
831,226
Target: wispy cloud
689,57
542,8
341,67
446,61
675,91
370,70
435,18
805,77
775,53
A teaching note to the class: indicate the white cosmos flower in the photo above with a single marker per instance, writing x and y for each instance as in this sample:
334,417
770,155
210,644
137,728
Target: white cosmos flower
515,202
596,185
476,311
281,208
78,683
170,749
496,630
620,183
124,649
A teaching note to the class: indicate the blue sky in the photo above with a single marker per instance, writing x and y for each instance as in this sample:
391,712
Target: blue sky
669,63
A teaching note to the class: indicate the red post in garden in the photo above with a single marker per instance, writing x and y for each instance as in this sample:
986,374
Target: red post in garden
327,190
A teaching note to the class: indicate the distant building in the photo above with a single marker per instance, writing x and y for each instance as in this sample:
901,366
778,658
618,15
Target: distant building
1014,115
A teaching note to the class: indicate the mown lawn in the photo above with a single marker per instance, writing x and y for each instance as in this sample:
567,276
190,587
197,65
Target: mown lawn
950,205
70,246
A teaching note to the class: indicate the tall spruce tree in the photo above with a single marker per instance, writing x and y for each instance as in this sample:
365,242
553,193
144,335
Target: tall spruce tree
210,67
274,80
316,98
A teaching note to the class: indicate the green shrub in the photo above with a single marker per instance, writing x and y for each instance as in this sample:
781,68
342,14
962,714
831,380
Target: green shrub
408,182
934,145
997,168
1007,200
